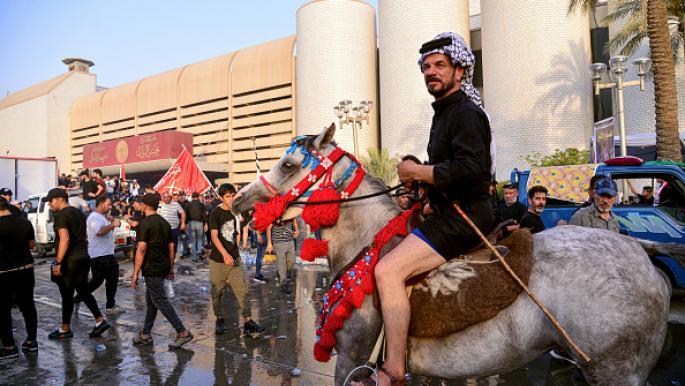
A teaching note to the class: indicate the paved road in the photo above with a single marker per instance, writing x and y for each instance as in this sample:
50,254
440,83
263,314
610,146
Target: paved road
272,359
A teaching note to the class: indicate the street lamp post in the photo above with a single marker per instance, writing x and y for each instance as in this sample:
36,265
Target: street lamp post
616,76
353,115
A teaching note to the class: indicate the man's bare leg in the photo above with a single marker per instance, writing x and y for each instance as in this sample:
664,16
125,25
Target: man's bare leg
412,257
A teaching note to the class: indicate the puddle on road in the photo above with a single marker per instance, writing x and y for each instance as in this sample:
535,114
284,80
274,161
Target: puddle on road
282,355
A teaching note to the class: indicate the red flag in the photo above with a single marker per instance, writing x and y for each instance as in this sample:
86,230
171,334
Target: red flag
122,173
184,175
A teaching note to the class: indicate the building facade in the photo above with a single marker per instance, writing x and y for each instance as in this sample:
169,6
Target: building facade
531,67
34,122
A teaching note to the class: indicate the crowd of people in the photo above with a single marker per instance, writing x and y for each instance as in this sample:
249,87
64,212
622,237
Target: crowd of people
167,226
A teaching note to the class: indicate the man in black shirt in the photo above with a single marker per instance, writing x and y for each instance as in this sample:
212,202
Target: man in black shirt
70,270
16,280
135,213
155,258
458,171
195,229
537,199
224,263
91,189
510,208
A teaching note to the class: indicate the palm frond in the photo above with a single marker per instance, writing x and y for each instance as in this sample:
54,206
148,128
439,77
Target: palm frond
586,6
627,9
628,39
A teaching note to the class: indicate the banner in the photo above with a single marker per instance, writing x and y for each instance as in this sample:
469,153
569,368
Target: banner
184,175
603,140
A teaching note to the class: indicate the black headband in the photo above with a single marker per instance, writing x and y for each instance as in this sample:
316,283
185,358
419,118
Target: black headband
435,44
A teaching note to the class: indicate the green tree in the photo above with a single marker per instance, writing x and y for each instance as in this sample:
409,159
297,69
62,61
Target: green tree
380,164
650,18
569,156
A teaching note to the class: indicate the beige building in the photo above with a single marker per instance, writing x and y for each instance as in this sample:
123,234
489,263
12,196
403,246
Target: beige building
231,104
34,122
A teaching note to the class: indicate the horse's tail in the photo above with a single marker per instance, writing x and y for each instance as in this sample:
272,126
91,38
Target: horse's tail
675,250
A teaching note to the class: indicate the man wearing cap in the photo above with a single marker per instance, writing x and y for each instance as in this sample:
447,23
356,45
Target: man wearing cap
598,215
7,194
458,171
155,259
70,270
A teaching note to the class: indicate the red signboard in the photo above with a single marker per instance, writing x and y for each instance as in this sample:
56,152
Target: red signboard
139,148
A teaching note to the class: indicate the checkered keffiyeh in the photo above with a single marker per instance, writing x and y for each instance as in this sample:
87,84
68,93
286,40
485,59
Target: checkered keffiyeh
461,56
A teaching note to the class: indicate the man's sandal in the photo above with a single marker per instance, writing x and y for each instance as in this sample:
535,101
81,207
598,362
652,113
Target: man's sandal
393,381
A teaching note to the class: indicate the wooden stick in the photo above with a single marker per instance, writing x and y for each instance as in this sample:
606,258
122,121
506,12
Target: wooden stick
535,299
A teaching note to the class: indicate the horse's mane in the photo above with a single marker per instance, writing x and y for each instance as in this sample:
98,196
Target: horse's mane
377,185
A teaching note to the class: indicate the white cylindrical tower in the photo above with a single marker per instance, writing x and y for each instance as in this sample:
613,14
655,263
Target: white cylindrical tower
537,89
403,26
336,60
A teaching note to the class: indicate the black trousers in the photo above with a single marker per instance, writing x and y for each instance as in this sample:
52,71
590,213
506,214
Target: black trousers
104,269
17,285
75,278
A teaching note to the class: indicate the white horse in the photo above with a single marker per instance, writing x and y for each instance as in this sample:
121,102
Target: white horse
600,285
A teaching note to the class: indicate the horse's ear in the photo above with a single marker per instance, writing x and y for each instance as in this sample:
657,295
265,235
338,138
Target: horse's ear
325,137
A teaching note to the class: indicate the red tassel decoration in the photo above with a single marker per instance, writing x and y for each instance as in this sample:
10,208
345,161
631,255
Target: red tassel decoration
367,284
312,249
323,215
357,297
266,213
321,354
327,340
334,322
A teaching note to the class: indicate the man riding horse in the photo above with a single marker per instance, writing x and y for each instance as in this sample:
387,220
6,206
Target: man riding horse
458,171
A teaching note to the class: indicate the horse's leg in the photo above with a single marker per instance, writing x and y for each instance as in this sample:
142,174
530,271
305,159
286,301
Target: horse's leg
355,341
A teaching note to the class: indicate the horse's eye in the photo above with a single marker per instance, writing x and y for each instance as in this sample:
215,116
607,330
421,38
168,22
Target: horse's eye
287,166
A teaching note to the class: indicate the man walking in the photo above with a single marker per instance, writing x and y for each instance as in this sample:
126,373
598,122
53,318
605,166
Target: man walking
16,280
458,171
224,265
537,200
280,239
194,231
71,266
103,265
155,259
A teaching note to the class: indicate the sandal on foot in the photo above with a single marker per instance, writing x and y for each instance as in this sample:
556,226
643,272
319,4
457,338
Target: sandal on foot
142,340
373,382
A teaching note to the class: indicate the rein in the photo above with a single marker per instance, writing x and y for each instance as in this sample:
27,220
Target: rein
349,199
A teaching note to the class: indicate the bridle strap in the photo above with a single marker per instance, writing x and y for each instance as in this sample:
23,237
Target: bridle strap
268,186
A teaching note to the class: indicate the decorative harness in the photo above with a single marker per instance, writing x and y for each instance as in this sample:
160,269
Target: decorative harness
348,291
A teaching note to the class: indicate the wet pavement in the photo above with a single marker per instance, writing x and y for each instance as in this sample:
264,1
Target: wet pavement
282,355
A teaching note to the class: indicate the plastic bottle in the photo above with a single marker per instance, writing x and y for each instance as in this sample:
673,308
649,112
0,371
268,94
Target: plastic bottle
100,348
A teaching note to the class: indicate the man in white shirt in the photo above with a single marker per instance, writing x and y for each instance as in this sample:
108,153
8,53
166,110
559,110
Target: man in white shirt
78,202
173,213
103,264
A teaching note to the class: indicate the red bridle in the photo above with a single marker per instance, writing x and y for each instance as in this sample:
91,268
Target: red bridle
268,186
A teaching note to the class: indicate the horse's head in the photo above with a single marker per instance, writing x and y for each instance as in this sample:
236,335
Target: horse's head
293,166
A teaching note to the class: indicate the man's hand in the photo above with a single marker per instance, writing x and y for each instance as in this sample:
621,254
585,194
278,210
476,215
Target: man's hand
244,244
134,280
228,259
116,223
260,239
206,228
56,270
171,276
269,248
183,226
405,170
296,234
514,227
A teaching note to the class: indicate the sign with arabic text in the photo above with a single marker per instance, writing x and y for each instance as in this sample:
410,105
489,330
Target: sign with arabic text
138,148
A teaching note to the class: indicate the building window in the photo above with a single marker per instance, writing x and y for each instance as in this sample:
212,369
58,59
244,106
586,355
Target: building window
603,106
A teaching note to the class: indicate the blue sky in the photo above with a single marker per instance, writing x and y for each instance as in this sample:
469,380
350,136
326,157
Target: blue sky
127,39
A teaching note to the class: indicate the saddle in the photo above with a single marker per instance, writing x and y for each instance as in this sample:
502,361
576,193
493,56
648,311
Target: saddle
471,288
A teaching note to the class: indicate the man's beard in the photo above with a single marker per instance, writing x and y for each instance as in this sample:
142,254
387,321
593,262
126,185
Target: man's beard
603,208
439,92
538,209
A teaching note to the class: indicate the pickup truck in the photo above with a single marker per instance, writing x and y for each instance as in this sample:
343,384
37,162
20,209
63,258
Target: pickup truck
664,223
41,217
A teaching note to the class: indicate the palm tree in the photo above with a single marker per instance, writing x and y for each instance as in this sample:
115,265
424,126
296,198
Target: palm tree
380,164
650,18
